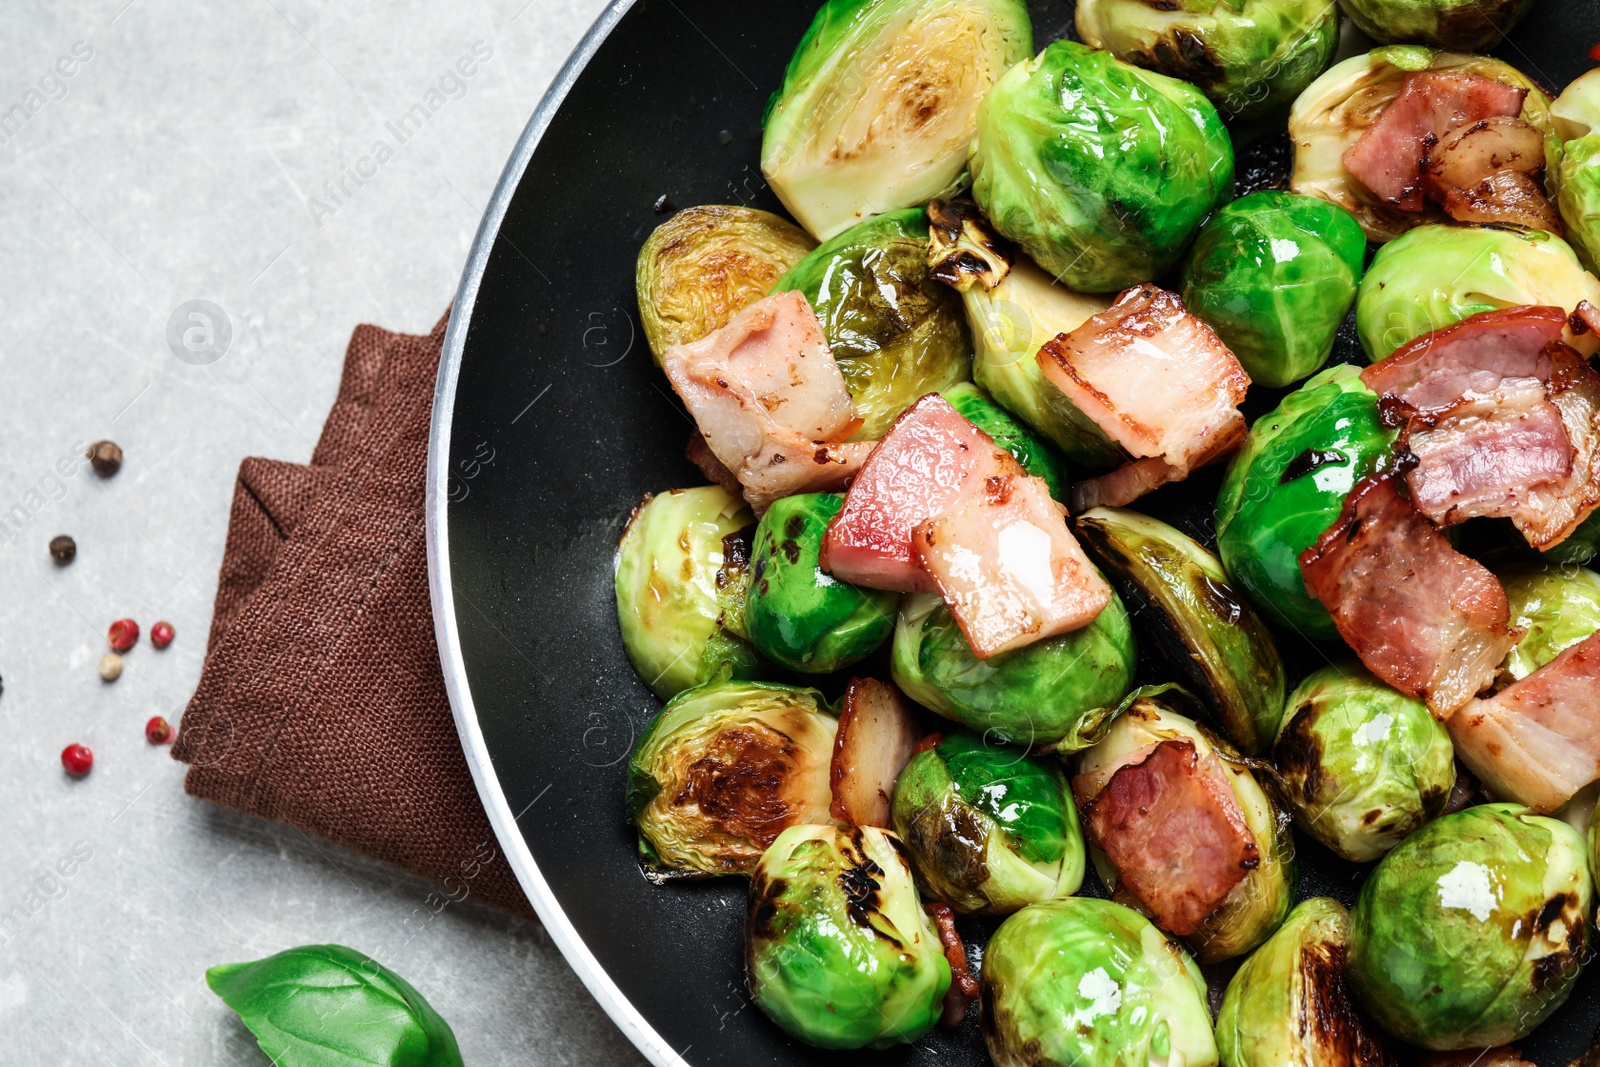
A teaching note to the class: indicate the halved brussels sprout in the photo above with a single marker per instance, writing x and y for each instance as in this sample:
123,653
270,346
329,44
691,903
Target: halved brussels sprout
1465,25
1252,57
1471,932
1556,606
988,829
1060,692
723,769
896,333
1083,981
1257,904
1037,457
705,264
879,104
1200,631
796,613
1336,109
838,951
1101,171
1435,276
1288,1006
1287,485
1363,764
1275,274
681,577
1575,177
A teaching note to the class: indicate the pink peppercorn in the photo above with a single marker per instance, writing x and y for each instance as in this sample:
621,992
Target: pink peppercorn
123,635
77,759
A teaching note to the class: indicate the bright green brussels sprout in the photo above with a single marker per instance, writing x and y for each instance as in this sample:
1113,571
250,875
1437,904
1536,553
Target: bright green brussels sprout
1275,274
838,951
1059,692
1252,57
1036,455
723,769
1093,984
880,101
1101,171
1288,1007
987,828
896,333
1435,276
1471,931
1575,178
796,613
705,264
1287,485
1363,764
681,578
1337,108
1557,606
1464,25
1200,631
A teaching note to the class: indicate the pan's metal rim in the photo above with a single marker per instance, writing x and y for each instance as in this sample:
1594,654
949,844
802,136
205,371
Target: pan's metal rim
442,593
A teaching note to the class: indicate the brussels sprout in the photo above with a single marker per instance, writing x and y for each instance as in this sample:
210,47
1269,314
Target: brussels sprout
1363,764
1556,607
1435,276
796,613
1037,457
723,769
1252,57
1101,171
1574,178
1275,274
1287,485
880,101
1464,25
988,829
838,951
1093,984
1337,108
1255,906
705,264
896,333
1013,308
1471,931
681,578
1199,629
1059,692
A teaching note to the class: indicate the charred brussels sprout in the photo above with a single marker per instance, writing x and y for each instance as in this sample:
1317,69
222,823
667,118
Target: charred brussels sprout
1275,274
1059,692
1575,178
1037,457
1363,764
1435,276
1288,1007
1556,607
988,829
1252,57
797,614
1471,931
838,951
896,333
723,769
1200,630
1288,484
1464,25
879,104
1092,983
705,264
681,577
1101,171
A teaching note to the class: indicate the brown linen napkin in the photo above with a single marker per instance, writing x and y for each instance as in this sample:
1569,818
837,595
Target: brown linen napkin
321,703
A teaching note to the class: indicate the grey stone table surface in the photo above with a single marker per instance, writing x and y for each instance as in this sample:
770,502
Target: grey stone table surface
155,152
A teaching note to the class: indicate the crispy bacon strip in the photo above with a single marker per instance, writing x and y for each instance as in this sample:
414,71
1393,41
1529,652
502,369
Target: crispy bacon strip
1504,197
963,986
876,739
1432,373
1423,617
1554,510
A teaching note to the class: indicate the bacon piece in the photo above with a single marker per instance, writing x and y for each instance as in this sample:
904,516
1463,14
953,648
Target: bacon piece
1172,828
1008,567
1423,617
699,453
1538,740
1586,319
1388,157
1504,197
963,986
930,459
1432,373
876,739
1157,380
1121,487
1555,510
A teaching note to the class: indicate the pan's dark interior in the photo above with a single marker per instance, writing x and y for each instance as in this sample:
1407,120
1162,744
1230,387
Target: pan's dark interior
562,423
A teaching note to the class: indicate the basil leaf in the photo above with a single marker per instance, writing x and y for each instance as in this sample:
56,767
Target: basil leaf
331,1006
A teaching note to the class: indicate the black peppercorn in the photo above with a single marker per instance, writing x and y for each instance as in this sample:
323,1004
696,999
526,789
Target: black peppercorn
105,457
63,549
